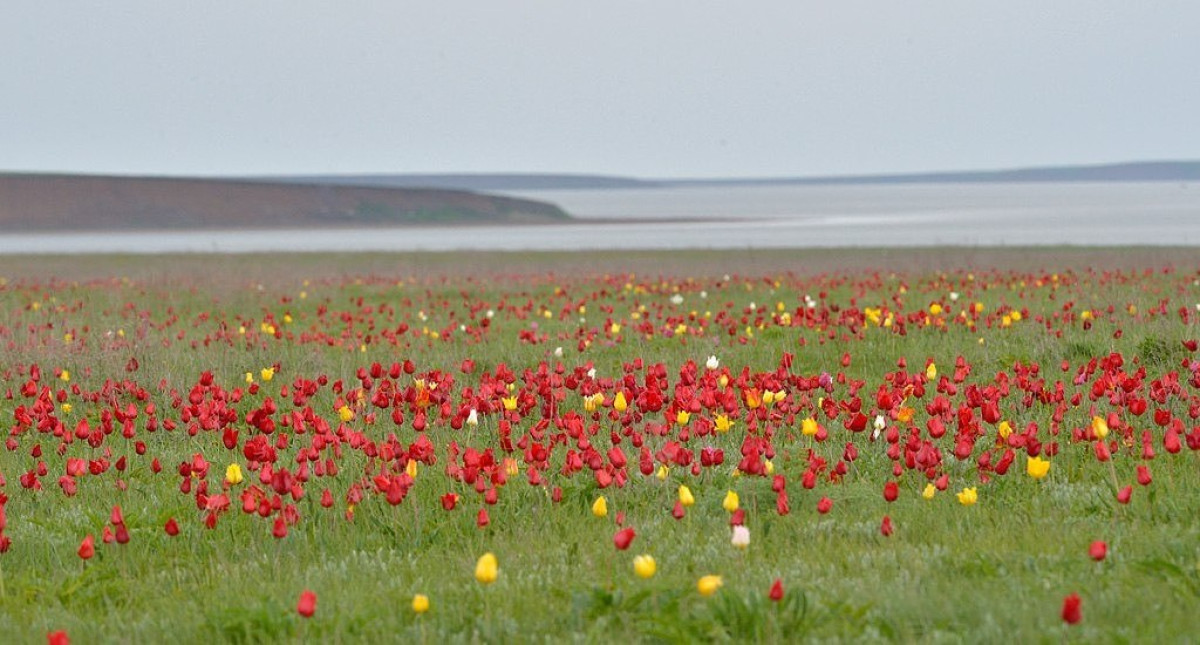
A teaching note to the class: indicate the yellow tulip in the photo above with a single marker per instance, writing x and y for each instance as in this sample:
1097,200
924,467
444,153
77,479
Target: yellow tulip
685,496
233,474
873,314
345,413
487,569
753,398
967,496
1099,427
600,507
930,371
589,402
644,566
267,373
683,417
1037,467
620,404
708,585
809,427
420,603
510,402
1004,429
731,502
723,424
929,492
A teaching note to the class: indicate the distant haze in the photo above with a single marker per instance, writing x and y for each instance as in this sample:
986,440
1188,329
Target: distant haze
674,88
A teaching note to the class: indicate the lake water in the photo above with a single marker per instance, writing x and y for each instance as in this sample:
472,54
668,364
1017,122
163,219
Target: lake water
741,217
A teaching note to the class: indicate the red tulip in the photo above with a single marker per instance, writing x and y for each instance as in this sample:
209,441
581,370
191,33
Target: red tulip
172,527
116,518
1070,609
58,638
307,604
886,527
280,530
482,519
1143,475
1124,494
678,511
738,517
1171,442
122,534
87,548
891,491
1098,550
824,505
776,592
623,538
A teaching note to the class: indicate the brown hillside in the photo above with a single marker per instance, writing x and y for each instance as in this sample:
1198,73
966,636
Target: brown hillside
83,203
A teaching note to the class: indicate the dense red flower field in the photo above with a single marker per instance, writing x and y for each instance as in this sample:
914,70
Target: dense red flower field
435,417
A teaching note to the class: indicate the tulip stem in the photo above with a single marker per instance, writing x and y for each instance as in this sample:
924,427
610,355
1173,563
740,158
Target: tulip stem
487,615
1113,471
416,519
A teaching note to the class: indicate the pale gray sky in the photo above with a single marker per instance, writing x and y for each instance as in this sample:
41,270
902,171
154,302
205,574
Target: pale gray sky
656,88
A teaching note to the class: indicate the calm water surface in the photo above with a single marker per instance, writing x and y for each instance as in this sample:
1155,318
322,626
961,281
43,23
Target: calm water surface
742,217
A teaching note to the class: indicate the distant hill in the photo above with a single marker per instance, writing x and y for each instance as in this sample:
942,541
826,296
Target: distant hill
467,181
1135,171
36,202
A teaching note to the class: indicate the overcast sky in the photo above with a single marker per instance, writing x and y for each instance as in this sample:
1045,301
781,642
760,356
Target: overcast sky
651,88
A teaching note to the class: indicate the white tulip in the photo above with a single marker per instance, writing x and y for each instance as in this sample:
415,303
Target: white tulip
741,537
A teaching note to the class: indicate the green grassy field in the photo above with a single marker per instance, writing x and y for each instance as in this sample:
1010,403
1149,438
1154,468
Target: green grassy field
136,382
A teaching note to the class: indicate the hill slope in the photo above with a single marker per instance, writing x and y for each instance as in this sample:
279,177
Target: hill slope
81,203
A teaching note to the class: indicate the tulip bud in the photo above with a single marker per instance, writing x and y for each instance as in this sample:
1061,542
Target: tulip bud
487,569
